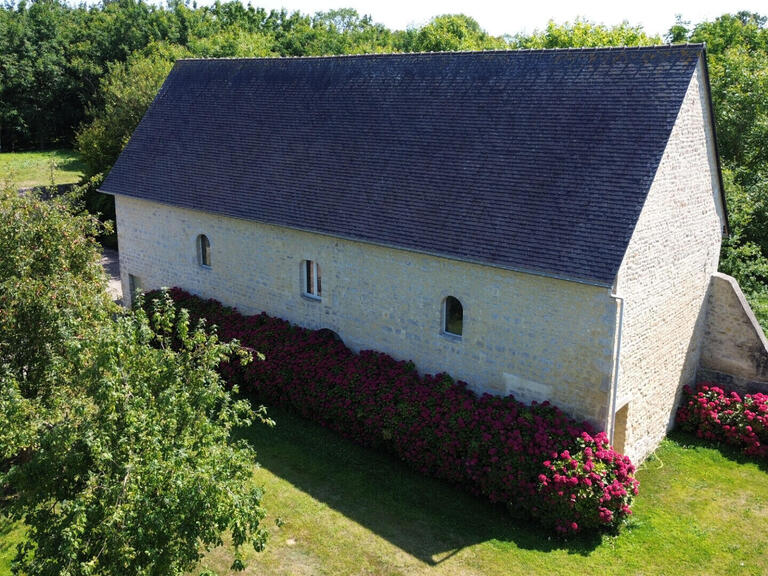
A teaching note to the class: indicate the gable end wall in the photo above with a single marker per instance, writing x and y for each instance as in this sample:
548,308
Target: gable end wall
664,278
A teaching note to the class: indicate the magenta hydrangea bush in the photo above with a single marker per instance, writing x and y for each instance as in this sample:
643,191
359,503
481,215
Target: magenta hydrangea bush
714,414
533,458
590,487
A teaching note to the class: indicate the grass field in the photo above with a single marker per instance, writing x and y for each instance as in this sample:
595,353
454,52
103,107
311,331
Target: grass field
10,535
27,169
346,510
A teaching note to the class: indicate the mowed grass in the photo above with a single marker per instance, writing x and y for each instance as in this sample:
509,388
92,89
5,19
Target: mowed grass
27,169
347,510
343,510
11,534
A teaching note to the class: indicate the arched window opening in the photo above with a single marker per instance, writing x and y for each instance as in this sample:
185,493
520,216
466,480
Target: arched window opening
453,316
330,335
204,250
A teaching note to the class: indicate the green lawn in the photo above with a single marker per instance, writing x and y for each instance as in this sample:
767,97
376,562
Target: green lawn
10,535
26,169
347,510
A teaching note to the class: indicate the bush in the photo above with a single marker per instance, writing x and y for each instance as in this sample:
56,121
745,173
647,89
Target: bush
713,414
595,478
520,455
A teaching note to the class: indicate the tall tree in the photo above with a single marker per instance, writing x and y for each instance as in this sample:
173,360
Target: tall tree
114,433
36,86
737,46
452,32
583,33
51,287
126,92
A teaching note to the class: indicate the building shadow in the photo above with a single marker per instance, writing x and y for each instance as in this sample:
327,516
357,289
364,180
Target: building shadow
729,452
693,354
429,519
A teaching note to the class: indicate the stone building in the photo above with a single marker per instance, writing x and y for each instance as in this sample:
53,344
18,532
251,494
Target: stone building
540,223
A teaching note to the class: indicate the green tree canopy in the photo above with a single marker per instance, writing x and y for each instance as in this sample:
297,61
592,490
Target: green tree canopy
583,33
453,32
137,474
51,287
126,92
115,427
737,46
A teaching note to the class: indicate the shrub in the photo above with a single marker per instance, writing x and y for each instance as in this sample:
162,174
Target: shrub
714,414
509,452
591,487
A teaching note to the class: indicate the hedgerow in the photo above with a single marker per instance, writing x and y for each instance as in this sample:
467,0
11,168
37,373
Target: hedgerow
533,458
714,414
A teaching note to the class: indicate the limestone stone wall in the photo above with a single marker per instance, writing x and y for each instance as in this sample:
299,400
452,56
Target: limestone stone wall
538,337
735,350
664,278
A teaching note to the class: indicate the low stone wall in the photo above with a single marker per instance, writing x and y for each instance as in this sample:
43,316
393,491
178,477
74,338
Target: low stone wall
734,353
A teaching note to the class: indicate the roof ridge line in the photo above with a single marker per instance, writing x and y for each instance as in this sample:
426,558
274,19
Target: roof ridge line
648,47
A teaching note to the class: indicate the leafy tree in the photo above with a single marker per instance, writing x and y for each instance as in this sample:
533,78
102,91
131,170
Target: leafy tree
51,287
137,474
583,33
344,31
679,31
453,32
737,46
114,433
118,28
741,256
292,33
232,43
126,92
741,29
738,58
36,85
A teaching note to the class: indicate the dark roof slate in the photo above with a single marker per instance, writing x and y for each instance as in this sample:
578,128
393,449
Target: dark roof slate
531,160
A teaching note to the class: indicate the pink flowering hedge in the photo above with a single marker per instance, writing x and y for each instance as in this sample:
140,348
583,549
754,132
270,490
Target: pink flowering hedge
714,414
535,459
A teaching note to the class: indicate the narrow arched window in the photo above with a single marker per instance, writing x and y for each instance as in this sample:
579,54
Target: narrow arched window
453,316
203,250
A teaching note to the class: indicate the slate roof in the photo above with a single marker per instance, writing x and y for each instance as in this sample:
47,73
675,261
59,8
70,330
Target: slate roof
537,161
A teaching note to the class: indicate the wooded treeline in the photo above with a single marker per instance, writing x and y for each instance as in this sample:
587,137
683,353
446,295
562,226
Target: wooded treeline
58,62
84,75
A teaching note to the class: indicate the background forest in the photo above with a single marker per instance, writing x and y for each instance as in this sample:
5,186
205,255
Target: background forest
83,76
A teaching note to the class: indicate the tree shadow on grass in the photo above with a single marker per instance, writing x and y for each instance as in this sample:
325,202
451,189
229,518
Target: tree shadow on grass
732,453
6,526
67,161
8,541
427,518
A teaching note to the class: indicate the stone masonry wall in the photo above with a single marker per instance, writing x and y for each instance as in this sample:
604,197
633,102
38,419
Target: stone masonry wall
734,353
538,337
664,277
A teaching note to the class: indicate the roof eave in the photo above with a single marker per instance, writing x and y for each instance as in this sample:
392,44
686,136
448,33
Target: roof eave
534,272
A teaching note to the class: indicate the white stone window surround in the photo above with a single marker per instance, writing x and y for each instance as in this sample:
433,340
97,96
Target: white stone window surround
311,280
203,247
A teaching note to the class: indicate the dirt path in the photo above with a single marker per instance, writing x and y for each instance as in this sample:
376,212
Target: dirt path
111,263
